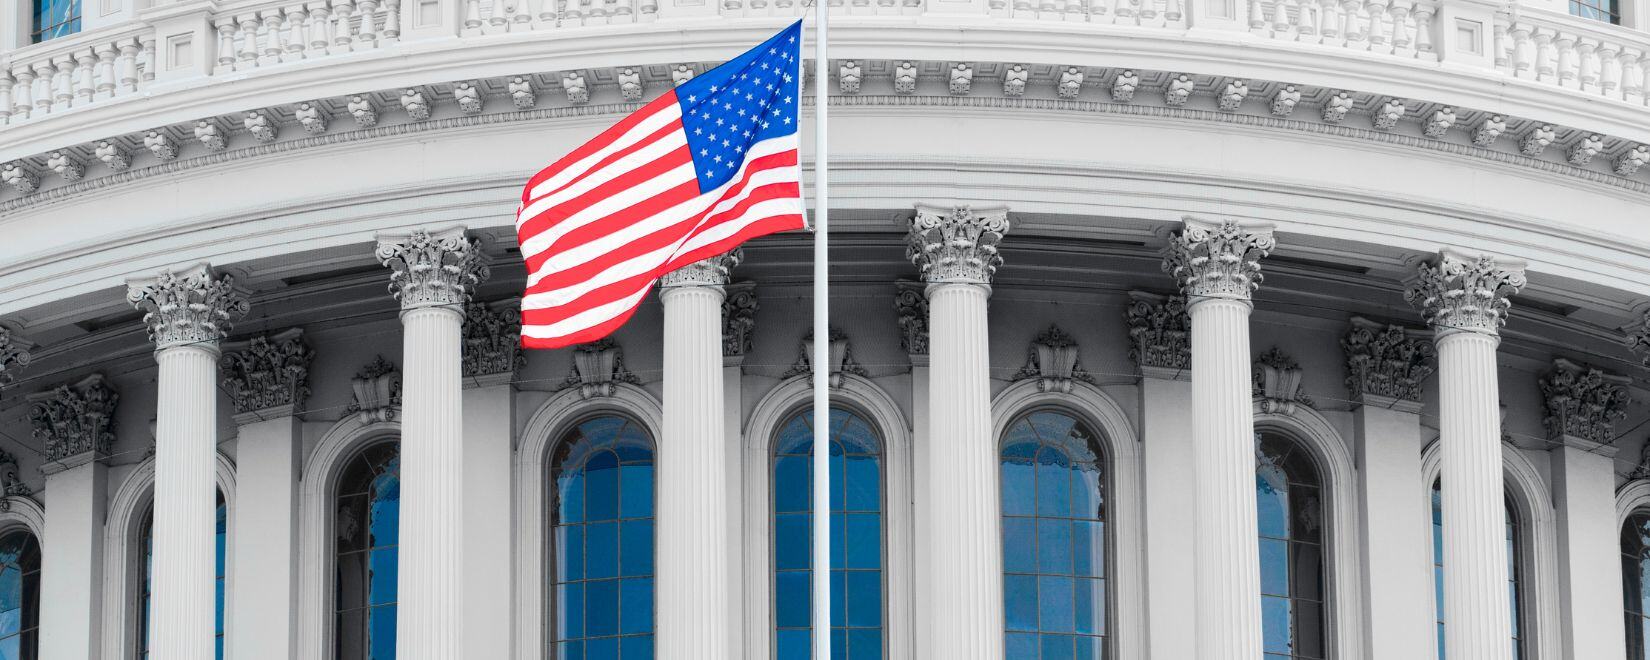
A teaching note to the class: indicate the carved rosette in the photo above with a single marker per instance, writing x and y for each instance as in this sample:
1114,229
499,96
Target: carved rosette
1217,260
1160,331
432,269
75,419
705,272
839,353
1462,293
492,339
270,374
193,306
1583,402
739,318
912,305
1277,383
598,368
1052,360
956,245
14,355
11,478
1386,361
377,391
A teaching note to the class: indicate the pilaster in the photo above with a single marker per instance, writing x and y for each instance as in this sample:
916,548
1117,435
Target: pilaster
71,617
738,329
491,356
911,305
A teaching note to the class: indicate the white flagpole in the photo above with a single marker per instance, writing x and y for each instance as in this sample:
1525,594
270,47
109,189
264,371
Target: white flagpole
820,359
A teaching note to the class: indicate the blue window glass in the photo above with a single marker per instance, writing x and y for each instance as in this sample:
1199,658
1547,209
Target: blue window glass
19,595
602,542
856,538
1635,567
1608,11
366,530
55,18
1515,590
1054,539
1289,508
147,542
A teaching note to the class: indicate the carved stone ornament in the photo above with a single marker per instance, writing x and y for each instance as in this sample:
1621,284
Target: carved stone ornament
1124,86
1179,90
11,478
839,353
1278,383
1231,96
1642,470
959,245
849,77
1160,331
1386,361
14,355
1336,107
1052,360
598,368
1464,293
377,391
1638,339
190,306
1217,260
75,419
270,374
911,302
492,339
432,269
1285,100
1583,402
521,93
1015,79
1071,83
739,318
1489,130
705,272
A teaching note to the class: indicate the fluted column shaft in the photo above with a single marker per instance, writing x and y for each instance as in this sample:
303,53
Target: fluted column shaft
968,589
183,596
1225,547
430,588
694,607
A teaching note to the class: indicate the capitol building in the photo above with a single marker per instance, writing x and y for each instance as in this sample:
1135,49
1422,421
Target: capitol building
1161,330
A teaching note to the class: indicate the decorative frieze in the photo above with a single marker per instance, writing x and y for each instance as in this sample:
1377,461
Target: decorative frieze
211,136
681,74
268,375
1160,331
956,245
66,165
20,177
432,269
262,128
362,109
75,419
739,318
11,478
1052,359
838,352
1220,260
311,117
598,368
492,339
1465,293
1629,162
187,307
161,145
911,303
1386,361
1277,383
14,355
377,392
112,155
630,84
1583,402
578,91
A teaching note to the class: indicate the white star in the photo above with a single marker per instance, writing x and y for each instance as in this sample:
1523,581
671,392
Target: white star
706,115
747,134
724,144
693,99
718,121
791,40
775,112
741,112
787,77
727,106
739,148
718,158
772,50
787,121
764,124
713,89
787,99
704,152
698,131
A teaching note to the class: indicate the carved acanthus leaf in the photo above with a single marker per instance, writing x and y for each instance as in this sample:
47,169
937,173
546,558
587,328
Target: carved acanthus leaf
1160,331
432,269
187,307
1217,260
705,272
1052,359
492,338
1638,339
377,391
1386,361
598,368
14,355
75,419
1462,293
1278,383
739,318
956,245
1583,402
838,353
912,305
269,373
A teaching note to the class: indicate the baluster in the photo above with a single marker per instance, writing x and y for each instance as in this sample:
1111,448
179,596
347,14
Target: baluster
297,20
146,58
1356,19
1049,9
548,13
85,67
1632,78
43,74
1100,11
1377,26
367,37
1644,77
498,18
248,59
22,101
472,15
343,33
63,83
5,96
1567,60
1524,51
1148,11
1329,14
1306,22
1587,56
1280,17
105,76
648,9
275,41
127,66
1257,18
1400,29
392,22
1175,12
1503,42
520,17
1609,70
226,43
1423,27
1546,55
320,37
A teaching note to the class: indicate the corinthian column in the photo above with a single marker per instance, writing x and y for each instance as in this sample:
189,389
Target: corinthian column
1465,300
432,275
694,605
956,252
1217,266
187,312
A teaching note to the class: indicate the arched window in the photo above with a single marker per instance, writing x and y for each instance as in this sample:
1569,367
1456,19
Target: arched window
19,595
1635,567
55,18
1290,513
147,542
367,530
602,538
1054,539
856,537
1515,589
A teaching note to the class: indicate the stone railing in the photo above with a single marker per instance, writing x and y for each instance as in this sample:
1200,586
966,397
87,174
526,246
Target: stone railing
266,34
75,71
1575,53
1384,27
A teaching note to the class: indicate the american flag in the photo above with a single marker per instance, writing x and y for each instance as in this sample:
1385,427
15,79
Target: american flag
691,175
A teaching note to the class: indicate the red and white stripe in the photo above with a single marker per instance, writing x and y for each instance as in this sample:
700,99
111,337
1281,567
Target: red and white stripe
601,225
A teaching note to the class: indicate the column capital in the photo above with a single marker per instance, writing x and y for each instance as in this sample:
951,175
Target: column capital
75,419
1583,402
14,355
189,306
1386,364
1218,259
958,244
705,272
267,376
1638,339
1465,293
432,269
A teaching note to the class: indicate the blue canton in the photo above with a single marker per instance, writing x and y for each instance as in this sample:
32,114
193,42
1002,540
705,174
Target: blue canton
751,98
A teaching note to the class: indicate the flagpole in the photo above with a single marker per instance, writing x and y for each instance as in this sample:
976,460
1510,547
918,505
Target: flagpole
820,359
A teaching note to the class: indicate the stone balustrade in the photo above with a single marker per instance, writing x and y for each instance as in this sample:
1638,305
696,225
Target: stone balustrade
1575,53
289,32
75,71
